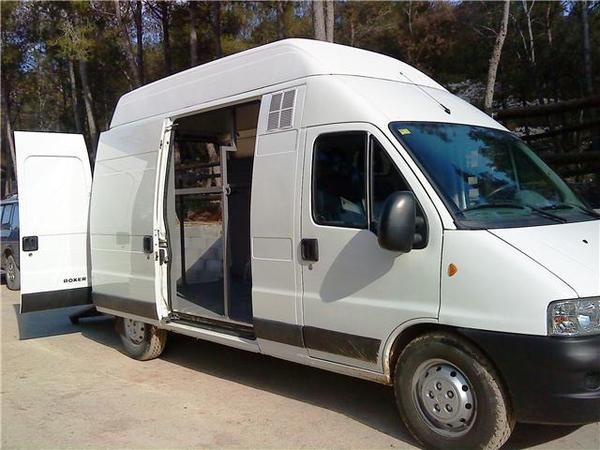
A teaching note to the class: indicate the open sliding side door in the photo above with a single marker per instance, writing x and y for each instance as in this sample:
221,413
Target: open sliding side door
54,179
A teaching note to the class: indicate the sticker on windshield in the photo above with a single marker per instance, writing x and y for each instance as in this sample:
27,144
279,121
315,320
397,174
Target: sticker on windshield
404,131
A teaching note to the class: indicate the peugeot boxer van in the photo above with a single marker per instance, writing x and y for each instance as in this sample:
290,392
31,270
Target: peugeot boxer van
336,208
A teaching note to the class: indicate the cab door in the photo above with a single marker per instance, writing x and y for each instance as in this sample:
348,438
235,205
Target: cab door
355,292
54,179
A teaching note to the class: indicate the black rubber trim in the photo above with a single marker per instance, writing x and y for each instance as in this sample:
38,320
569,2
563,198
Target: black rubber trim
272,330
126,305
343,344
41,301
328,341
551,380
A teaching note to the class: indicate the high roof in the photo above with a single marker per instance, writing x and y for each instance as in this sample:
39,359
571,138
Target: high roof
250,70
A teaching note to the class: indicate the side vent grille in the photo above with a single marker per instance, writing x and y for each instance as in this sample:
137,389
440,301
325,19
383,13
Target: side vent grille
281,110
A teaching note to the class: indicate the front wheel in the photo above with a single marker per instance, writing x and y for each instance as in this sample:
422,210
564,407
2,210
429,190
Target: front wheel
13,276
141,341
449,396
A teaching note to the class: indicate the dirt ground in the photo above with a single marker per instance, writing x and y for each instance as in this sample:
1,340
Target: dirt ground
66,386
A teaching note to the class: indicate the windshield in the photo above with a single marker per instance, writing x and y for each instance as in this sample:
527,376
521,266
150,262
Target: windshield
489,178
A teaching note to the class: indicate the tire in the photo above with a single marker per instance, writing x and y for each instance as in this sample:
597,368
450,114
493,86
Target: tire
13,275
140,340
449,396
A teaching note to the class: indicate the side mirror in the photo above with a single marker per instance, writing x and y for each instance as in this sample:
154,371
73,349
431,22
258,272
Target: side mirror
397,222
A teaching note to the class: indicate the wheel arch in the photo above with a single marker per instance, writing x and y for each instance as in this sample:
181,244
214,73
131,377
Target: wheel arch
403,335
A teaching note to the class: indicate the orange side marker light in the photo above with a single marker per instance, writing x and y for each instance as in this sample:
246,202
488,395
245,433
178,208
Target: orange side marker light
452,269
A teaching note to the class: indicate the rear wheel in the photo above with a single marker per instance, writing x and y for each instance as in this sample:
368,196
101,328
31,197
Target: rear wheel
141,341
449,395
13,276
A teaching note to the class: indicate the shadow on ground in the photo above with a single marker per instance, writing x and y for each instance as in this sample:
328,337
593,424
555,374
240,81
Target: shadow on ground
527,435
368,403
53,322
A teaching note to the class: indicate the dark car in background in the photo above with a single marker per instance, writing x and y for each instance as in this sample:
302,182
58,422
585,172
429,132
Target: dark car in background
9,241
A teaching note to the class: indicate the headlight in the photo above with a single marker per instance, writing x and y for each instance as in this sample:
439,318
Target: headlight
574,317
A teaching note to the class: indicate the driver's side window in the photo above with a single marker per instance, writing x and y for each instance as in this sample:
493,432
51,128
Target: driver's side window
344,165
385,179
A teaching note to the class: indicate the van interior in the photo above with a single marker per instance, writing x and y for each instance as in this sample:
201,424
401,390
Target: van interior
208,214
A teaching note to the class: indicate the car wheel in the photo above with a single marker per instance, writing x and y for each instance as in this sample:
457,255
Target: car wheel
141,341
449,396
13,275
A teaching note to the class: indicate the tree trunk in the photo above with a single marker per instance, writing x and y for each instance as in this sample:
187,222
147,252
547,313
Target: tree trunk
138,18
330,20
126,47
587,68
552,67
193,33
74,98
164,19
89,108
530,30
216,26
7,127
319,21
495,59
281,8
587,53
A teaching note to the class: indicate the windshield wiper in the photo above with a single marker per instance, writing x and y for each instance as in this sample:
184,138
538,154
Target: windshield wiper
583,209
539,211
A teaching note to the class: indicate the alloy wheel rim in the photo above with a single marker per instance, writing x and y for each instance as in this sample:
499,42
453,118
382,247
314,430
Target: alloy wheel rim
444,397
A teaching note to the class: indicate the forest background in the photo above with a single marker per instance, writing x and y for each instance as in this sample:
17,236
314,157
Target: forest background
531,63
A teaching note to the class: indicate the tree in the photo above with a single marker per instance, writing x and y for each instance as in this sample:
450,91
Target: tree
12,51
192,6
125,44
587,53
162,11
330,24
495,58
323,29
319,21
75,42
139,35
215,22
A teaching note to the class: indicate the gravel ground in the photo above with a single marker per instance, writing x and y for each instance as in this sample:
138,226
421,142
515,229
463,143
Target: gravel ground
66,386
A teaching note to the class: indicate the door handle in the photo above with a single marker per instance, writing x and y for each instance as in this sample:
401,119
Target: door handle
30,243
148,244
309,250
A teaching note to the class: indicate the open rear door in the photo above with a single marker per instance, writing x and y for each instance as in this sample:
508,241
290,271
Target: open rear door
54,179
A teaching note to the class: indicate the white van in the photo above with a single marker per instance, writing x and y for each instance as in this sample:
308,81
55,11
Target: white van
336,208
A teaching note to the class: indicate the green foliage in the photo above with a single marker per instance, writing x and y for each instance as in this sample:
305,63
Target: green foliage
451,41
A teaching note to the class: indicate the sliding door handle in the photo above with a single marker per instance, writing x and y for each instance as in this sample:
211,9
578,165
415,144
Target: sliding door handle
309,250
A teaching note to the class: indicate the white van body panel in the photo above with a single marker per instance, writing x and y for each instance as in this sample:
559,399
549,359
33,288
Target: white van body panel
275,225
497,287
123,196
54,176
570,251
269,65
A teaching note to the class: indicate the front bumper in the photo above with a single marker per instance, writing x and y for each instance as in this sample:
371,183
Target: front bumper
552,380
